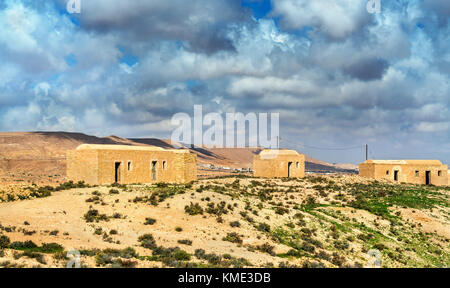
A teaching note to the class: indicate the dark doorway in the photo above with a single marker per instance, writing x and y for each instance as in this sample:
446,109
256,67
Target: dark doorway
117,172
427,177
154,170
395,175
289,169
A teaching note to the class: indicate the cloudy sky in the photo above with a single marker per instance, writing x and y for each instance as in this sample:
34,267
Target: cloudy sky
339,76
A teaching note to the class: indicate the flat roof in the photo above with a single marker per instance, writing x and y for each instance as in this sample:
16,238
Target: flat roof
128,148
278,152
405,162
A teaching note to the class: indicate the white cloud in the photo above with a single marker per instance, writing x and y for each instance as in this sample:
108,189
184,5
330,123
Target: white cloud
337,19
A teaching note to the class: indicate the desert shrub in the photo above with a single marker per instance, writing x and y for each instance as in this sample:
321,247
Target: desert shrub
286,264
96,193
115,257
149,221
338,260
312,264
217,210
28,232
93,216
120,186
147,241
117,216
200,253
193,209
365,237
221,261
18,245
171,257
290,225
380,246
93,199
294,253
235,224
124,263
49,248
341,245
71,185
233,237
113,232
113,191
181,255
4,241
266,248
178,229
281,210
310,200
263,227
185,242
33,255
164,191
324,255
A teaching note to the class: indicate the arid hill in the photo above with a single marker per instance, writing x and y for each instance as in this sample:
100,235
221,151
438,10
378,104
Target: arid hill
235,221
40,156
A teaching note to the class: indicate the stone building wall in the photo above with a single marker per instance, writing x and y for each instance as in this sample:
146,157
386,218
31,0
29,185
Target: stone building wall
82,165
406,171
106,164
279,164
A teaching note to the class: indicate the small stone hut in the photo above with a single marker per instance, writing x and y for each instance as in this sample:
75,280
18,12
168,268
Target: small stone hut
279,164
407,171
107,164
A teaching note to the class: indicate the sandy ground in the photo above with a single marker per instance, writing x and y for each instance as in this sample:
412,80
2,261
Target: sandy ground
64,212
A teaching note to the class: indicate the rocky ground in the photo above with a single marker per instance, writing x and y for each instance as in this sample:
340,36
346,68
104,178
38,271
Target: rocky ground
332,221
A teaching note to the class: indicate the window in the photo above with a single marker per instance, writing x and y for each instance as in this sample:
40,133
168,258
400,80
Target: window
439,173
387,172
417,173
164,165
129,166
298,165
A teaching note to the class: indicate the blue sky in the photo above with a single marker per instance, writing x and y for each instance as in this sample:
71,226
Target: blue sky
339,76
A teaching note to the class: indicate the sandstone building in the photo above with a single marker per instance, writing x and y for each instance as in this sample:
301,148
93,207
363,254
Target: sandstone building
107,164
279,164
408,171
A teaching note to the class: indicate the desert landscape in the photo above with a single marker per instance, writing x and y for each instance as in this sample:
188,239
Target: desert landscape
225,219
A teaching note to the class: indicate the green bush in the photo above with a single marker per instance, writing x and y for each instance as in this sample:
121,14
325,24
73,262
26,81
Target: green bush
93,215
4,241
193,209
263,227
147,241
233,237
113,191
149,221
235,224
185,242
